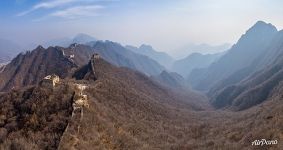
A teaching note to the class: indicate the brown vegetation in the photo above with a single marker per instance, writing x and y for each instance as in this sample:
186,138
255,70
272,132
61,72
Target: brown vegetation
127,110
34,118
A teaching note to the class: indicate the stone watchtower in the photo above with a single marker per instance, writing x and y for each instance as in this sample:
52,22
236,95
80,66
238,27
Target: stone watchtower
54,79
93,60
96,56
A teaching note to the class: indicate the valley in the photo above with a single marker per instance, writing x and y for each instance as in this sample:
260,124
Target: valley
103,95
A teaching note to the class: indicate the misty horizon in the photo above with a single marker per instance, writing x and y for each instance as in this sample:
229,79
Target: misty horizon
167,26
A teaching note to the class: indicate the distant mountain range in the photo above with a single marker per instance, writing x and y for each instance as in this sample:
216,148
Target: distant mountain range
189,49
194,61
257,82
251,45
121,56
80,38
115,53
249,74
30,67
161,57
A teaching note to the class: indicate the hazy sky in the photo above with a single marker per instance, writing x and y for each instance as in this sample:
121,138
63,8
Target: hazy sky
164,24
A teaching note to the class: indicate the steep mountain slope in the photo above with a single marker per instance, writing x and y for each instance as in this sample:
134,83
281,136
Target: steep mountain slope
258,86
119,95
170,79
272,52
30,67
115,54
161,57
8,50
193,61
45,117
141,115
120,56
238,130
248,48
35,117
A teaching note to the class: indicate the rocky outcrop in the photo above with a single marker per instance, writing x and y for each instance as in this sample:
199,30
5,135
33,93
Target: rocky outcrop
87,72
31,67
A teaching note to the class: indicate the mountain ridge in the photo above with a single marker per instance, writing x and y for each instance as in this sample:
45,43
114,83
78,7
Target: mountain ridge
193,61
202,48
147,50
258,85
30,67
241,54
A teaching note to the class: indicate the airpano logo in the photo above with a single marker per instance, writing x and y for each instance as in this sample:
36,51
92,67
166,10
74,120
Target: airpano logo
264,142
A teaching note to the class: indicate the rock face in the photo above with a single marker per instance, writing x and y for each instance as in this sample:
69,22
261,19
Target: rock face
248,48
31,67
87,72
